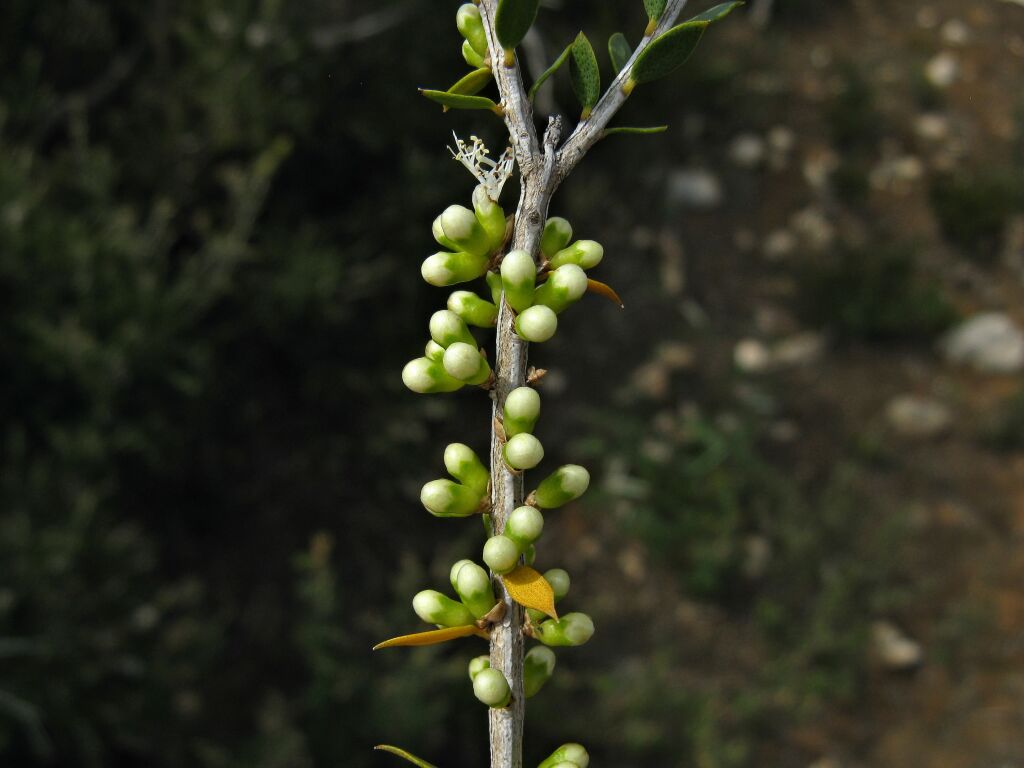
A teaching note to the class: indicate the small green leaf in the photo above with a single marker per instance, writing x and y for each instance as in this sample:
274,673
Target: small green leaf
513,20
624,129
472,83
403,754
461,101
585,74
619,51
718,12
550,71
668,52
655,8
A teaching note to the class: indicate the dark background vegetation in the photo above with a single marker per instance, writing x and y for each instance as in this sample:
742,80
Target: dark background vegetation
212,214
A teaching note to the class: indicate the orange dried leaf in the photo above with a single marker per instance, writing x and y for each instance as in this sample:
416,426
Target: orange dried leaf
530,590
433,637
603,289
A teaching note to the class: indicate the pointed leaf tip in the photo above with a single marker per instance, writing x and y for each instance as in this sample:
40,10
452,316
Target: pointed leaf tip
718,12
531,590
405,755
433,637
603,289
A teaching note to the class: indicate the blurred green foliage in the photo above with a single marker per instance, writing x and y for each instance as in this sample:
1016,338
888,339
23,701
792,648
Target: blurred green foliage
873,294
973,208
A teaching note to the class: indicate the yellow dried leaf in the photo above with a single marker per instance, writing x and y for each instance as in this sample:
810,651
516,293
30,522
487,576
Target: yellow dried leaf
530,590
603,289
433,637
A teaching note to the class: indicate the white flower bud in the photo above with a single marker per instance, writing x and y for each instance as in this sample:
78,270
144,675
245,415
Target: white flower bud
565,286
538,665
537,323
465,466
435,608
572,629
424,375
444,498
473,586
583,253
557,234
478,665
521,411
434,351
562,486
460,225
447,328
444,269
567,755
524,526
491,687
523,451
453,574
559,581
518,276
473,310
465,363
501,554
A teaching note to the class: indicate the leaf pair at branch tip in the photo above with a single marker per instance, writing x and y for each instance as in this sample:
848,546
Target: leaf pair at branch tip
405,755
670,50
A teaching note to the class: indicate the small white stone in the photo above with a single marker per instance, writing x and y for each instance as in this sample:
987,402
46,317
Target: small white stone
694,188
747,151
918,417
942,70
893,648
752,356
990,343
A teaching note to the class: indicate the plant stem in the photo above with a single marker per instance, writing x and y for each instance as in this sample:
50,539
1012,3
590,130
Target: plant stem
542,169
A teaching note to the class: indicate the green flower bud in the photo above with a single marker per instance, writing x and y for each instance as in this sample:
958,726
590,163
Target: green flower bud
444,269
565,286
473,586
447,328
524,526
438,233
473,310
478,665
491,687
434,351
537,323
573,754
521,411
453,574
523,451
494,283
465,466
530,554
559,581
459,225
444,498
501,554
571,629
557,234
565,484
518,276
474,59
538,664
471,27
435,608
465,363
583,253
424,375
491,218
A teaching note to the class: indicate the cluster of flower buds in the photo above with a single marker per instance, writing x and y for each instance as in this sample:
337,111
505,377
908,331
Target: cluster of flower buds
463,496
472,584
